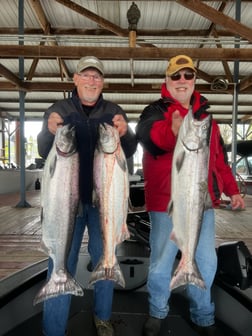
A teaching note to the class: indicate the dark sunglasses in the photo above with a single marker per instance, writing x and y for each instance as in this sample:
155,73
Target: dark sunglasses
187,76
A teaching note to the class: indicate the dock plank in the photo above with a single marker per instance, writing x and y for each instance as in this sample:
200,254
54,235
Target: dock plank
20,231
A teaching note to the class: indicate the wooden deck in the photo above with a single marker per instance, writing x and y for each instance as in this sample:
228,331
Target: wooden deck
20,230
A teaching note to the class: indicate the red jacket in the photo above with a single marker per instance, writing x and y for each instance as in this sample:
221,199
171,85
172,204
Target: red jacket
158,141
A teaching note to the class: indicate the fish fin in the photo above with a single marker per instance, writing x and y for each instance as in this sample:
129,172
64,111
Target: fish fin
180,160
41,214
130,205
187,274
121,162
95,198
53,166
170,208
53,288
124,234
102,273
44,248
173,237
207,202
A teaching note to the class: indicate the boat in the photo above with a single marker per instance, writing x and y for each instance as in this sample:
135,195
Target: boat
243,165
232,291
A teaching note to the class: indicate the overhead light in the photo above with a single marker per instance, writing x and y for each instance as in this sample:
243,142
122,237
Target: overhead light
219,84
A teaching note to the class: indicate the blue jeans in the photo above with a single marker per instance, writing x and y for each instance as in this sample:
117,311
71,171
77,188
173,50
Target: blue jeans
163,254
56,310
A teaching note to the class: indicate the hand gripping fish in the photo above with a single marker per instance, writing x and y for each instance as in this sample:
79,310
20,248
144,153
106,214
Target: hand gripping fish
111,193
59,203
189,196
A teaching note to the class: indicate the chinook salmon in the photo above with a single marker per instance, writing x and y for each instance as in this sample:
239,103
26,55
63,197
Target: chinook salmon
111,193
189,197
59,203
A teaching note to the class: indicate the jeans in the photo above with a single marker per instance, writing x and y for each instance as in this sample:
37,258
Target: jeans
56,310
163,254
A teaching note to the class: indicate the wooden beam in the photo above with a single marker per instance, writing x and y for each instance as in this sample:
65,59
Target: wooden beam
245,83
38,10
215,16
99,20
61,31
124,53
224,62
109,87
10,76
94,17
46,26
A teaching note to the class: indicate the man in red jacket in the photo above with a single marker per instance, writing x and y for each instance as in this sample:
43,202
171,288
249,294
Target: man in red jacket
157,131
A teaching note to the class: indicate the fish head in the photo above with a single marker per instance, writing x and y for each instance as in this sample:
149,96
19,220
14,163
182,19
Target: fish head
194,133
65,140
108,138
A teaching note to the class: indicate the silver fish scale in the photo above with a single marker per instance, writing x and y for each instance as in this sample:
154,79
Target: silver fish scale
111,194
59,203
189,196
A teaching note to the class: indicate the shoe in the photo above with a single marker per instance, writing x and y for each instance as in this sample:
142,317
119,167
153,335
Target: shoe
103,328
207,331
152,327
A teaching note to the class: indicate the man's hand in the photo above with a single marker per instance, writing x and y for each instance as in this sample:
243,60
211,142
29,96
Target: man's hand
121,124
176,122
237,202
54,121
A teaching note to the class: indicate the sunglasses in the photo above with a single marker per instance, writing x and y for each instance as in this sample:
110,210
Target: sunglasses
178,75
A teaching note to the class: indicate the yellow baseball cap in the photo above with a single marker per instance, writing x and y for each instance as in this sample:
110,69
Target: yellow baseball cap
179,62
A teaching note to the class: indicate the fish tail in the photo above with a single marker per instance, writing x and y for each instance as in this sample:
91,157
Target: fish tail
43,248
54,288
124,234
187,275
102,273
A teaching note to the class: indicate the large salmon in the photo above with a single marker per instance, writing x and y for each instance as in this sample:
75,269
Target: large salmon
59,204
189,196
111,193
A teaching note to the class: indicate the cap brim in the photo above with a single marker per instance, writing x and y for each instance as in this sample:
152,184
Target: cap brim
91,67
180,68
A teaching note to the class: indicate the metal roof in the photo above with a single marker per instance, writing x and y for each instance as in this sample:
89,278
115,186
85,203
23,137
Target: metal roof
50,36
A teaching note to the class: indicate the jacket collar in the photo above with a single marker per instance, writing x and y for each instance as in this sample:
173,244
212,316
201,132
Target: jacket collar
198,102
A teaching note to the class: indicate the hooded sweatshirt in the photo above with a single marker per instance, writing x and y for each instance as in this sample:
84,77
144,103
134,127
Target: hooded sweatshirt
155,134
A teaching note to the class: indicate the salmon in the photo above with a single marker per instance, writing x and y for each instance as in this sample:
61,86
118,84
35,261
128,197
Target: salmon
59,204
189,196
111,195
